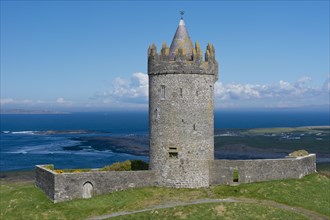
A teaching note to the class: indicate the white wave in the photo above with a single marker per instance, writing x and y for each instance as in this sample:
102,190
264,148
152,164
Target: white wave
22,152
91,153
48,148
23,132
129,135
226,135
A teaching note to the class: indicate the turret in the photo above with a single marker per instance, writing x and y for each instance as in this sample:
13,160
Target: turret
182,57
181,87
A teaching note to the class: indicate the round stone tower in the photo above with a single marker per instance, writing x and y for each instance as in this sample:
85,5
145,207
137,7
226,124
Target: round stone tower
181,118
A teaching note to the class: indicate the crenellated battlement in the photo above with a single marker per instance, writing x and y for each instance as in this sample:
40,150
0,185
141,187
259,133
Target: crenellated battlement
181,53
161,63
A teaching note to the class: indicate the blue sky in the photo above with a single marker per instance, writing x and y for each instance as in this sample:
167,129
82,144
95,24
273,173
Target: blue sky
92,55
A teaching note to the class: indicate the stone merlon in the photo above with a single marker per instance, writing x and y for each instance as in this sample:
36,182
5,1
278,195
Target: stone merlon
163,64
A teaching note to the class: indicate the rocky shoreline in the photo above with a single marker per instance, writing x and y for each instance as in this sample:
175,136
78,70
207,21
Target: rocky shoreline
136,145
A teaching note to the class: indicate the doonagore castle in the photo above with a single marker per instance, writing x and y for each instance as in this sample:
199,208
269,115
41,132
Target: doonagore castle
181,132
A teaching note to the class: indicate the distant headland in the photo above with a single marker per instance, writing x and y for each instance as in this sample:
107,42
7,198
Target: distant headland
30,112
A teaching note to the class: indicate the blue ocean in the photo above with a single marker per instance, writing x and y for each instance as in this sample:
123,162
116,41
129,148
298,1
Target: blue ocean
91,140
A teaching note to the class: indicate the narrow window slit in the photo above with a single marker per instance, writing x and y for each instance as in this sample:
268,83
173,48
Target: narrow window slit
157,113
162,91
235,175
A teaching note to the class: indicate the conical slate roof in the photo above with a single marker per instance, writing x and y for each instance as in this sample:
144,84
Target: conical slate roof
181,39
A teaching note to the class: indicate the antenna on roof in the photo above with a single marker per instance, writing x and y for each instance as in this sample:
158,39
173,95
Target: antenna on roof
182,13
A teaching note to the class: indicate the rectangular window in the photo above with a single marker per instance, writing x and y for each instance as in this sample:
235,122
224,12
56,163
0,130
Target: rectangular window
173,154
162,92
180,92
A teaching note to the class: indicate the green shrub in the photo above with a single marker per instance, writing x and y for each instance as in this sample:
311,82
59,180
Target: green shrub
298,153
76,170
118,166
139,165
127,166
49,167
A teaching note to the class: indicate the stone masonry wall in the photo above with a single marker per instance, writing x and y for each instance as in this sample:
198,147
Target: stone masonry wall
221,171
181,124
67,186
45,180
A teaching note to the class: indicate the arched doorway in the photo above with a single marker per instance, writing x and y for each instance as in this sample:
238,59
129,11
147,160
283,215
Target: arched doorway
87,190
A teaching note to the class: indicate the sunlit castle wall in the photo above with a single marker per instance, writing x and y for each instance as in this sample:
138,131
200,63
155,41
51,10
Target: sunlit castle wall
181,116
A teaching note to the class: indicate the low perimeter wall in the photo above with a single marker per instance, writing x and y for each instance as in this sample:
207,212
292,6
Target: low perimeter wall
222,171
67,186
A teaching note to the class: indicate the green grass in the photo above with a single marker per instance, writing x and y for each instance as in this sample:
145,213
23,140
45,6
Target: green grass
311,192
216,211
25,201
323,167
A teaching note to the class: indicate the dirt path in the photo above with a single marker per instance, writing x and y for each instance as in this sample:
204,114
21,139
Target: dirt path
302,211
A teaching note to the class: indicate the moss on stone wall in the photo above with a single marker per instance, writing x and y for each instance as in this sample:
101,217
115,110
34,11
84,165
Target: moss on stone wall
298,153
127,165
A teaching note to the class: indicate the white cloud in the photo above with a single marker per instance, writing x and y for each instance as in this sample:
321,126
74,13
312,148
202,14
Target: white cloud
6,101
326,86
133,90
133,93
26,103
235,91
282,90
285,86
303,80
283,93
60,100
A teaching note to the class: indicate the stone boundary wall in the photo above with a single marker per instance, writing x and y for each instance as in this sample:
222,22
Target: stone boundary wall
221,171
67,186
45,180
